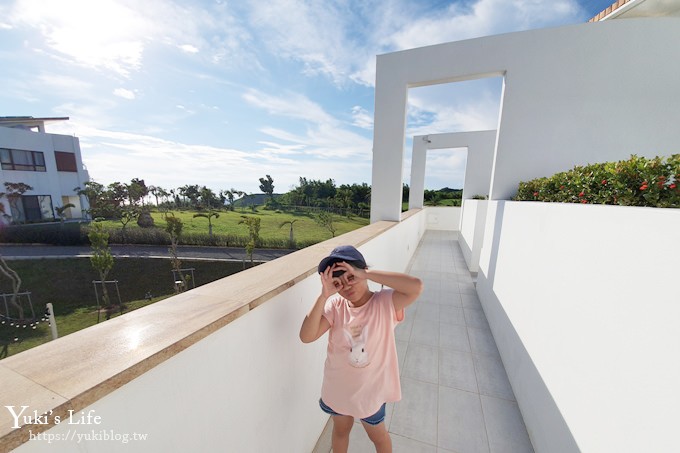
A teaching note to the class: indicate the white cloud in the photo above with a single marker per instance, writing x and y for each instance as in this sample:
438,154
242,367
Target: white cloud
113,35
105,34
291,105
124,93
188,48
362,118
325,137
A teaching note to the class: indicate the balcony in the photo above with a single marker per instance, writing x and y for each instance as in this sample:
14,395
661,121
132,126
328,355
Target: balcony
224,363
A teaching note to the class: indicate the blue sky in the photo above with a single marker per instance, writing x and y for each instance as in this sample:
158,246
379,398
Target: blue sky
221,93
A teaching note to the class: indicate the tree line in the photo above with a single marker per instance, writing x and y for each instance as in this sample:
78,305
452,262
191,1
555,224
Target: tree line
118,200
128,200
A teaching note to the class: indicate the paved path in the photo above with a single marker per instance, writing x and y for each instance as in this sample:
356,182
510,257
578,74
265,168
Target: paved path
23,251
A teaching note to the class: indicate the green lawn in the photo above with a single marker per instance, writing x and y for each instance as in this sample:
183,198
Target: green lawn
305,229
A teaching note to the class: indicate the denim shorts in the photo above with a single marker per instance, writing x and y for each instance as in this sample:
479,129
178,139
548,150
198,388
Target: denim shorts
374,419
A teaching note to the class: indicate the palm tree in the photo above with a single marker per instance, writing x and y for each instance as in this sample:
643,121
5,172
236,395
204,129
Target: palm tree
208,215
291,238
61,211
230,194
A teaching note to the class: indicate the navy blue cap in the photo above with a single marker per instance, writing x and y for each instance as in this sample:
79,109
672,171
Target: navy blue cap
345,253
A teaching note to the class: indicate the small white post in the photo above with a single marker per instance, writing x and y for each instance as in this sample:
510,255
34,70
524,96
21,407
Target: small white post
53,323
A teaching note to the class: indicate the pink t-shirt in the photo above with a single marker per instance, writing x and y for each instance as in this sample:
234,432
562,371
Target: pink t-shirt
362,369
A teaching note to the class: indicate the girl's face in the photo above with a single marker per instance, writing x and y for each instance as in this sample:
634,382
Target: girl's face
351,288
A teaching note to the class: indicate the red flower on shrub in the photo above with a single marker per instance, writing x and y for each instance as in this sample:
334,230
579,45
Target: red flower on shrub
672,186
584,201
535,194
561,187
582,194
643,186
604,181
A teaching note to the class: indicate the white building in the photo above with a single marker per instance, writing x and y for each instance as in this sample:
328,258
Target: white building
50,164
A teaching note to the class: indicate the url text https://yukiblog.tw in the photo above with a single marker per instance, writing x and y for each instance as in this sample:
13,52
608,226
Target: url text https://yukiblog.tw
93,435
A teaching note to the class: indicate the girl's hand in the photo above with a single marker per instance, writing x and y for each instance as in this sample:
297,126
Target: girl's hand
328,283
352,274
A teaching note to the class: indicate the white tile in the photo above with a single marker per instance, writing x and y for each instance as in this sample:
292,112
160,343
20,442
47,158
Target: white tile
359,441
428,312
415,416
482,341
471,301
425,332
475,318
457,370
452,315
402,444
505,427
461,422
452,336
450,285
422,363
491,377
389,411
450,300
401,352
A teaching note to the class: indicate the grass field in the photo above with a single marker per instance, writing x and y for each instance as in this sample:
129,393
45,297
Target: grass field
305,229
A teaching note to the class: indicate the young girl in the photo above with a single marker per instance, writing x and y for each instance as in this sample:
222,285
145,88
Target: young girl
361,373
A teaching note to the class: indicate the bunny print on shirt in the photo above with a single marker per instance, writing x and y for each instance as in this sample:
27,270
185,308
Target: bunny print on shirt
358,356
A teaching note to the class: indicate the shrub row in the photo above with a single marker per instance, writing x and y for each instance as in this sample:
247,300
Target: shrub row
50,233
76,234
157,236
634,182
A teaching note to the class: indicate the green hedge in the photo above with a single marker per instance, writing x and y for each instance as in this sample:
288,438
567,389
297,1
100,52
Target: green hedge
158,236
76,234
48,233
634,182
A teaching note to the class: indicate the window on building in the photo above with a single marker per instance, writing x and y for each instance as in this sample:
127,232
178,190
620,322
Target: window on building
16,159
65,161
32,208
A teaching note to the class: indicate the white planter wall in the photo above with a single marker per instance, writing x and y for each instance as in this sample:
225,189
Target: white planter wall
583,304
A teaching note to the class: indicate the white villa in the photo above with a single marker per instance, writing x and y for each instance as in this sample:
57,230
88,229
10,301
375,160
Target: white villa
50,163
543,327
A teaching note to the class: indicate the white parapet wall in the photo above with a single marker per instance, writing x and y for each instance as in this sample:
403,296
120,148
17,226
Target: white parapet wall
251,386
583,304
472,223
443,218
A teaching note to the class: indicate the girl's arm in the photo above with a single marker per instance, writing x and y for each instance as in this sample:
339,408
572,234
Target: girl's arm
315,324
406,287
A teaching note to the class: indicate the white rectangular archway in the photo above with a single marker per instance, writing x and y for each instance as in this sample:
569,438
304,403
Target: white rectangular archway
572,95
480,146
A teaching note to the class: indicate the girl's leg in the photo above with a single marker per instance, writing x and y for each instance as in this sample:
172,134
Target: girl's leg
379,436
342,425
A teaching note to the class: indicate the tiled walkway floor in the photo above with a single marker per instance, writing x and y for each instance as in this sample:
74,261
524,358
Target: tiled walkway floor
455,394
